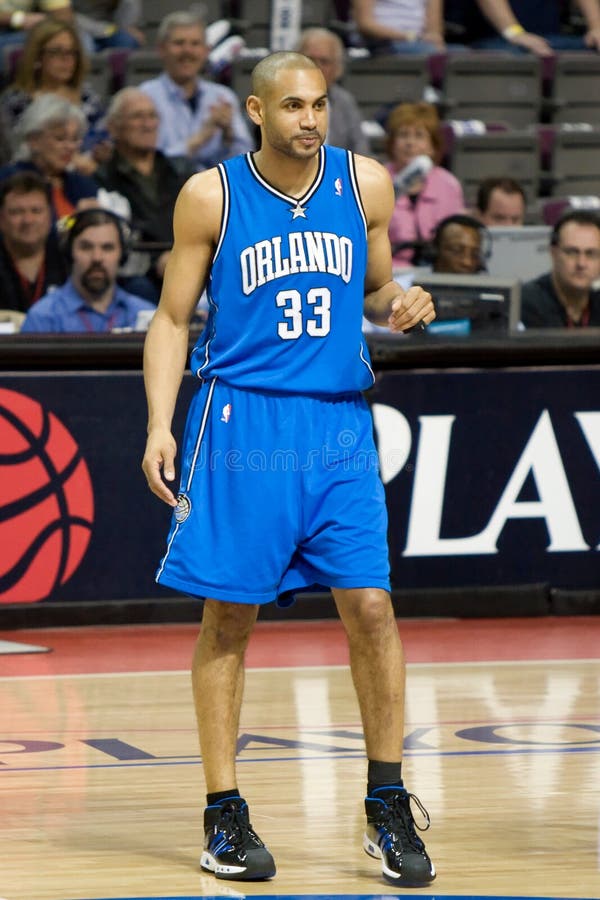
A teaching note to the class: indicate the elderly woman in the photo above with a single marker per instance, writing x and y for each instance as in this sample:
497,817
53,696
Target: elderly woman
50,133
53,61
413,130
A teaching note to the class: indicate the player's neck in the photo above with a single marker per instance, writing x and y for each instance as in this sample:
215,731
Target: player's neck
290,176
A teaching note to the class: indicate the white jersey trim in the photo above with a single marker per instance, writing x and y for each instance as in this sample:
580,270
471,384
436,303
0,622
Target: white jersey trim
225,212
298,201
356,190
188,485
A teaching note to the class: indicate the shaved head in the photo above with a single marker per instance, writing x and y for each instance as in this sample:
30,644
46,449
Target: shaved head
266,71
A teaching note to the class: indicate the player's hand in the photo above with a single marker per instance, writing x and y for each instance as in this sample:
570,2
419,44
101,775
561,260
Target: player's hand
411,307
158,464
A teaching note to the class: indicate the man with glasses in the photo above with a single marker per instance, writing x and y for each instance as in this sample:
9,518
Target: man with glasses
565,297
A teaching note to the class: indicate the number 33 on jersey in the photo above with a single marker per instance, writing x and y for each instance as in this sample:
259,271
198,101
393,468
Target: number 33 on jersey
289,316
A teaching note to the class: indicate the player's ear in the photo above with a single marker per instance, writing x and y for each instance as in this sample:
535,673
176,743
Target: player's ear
254,109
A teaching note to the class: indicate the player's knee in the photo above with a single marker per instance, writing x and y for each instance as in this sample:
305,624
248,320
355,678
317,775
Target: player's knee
367,612
228,625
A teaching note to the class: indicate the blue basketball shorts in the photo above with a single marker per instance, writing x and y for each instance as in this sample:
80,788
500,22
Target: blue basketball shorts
278,493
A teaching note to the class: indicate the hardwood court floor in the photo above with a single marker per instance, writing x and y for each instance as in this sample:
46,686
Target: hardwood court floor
101,783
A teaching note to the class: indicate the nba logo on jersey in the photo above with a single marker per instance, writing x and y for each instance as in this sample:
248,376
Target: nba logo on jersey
338,187
226,413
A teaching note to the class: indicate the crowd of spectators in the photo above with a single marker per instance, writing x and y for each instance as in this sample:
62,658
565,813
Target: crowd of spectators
64,148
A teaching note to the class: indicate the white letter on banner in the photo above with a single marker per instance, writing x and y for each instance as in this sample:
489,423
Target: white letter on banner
541,457
393,439
589,423
428,488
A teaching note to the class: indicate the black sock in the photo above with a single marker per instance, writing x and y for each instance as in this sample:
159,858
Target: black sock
383,774
217,796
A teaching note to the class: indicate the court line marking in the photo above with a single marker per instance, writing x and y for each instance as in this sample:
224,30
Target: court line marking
234,894
348,754
415,665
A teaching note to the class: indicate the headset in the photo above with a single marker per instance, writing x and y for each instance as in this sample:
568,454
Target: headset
69,227
431,250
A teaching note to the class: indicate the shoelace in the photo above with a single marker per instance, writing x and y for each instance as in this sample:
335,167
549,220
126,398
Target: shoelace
399,816
235,823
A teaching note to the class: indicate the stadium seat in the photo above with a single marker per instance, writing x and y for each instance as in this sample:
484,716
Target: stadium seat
254,20
379,83
576,88
497,153
142,65
553,208
574,168
499,87
154,12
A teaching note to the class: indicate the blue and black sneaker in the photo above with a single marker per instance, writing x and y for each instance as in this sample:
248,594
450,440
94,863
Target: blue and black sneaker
392,838
232,849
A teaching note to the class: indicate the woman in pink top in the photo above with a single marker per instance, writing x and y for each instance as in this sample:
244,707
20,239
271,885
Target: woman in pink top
413,129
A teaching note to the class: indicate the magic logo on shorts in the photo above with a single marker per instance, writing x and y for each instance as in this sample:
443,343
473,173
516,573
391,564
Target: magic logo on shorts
183,508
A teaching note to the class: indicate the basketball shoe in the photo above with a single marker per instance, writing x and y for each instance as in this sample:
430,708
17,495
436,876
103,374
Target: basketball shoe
392,838
232,849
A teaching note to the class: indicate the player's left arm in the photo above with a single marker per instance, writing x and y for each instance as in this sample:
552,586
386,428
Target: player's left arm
386,303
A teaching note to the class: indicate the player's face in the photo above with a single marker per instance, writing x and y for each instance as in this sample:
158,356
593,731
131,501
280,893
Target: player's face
96,255
294,113
25,219
576,257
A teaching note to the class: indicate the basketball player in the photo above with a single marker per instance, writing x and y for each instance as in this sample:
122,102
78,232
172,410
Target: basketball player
279,484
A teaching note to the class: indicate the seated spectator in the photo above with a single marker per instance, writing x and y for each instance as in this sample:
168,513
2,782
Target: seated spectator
51,130
109,23
500,201
17,17
345,124
565,296
400,26
413,132
30,261
520,25
53,62
95,245
148,179
198,118
457,247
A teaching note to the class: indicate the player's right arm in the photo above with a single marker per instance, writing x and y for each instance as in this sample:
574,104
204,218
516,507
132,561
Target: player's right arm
196,226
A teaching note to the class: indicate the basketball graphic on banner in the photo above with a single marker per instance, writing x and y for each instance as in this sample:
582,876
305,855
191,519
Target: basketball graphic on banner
46,501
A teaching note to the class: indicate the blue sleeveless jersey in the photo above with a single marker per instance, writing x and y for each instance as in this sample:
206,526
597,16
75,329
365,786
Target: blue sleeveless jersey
286,285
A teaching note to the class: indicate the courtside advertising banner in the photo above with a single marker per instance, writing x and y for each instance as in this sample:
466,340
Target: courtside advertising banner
491,477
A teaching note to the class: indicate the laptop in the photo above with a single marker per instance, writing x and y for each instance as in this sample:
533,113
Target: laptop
519,252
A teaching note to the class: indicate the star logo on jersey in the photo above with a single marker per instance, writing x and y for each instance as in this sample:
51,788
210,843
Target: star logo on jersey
298,211
338,187
226,413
